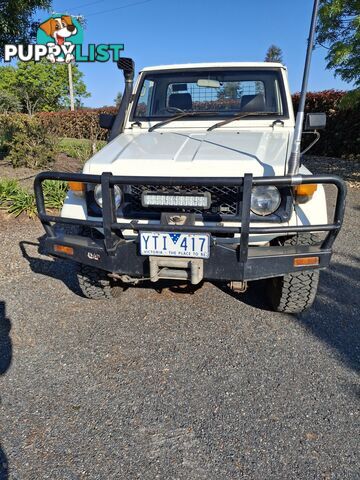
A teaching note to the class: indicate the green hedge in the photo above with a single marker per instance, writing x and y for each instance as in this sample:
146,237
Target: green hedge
82,123
341,137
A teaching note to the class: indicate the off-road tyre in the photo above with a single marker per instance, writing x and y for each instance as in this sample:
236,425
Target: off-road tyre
96,284
294,292
93,282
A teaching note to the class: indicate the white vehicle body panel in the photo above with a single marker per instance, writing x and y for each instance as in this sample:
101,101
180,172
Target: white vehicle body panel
184,148
199,66
262,152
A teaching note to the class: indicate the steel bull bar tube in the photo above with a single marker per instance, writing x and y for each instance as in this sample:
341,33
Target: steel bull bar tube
246,264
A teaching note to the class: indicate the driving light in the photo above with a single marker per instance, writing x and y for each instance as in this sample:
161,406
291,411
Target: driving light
99,199
153,199
265,200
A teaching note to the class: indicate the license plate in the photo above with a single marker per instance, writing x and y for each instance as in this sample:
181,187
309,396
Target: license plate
175,244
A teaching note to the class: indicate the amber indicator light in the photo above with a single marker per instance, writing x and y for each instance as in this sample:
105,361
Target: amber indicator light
64,249
306,190
306,261
77,186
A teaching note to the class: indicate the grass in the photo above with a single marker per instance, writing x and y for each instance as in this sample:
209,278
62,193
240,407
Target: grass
79,148
8,188
54,193
22,201
16,200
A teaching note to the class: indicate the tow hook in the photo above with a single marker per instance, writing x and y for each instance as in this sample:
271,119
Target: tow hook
126,278
238,287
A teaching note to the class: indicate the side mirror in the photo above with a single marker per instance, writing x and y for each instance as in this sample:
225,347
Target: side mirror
106,120
315,121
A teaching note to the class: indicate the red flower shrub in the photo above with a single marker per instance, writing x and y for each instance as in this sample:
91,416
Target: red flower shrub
342,134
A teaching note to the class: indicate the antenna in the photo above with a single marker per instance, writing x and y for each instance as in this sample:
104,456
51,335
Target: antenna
294,160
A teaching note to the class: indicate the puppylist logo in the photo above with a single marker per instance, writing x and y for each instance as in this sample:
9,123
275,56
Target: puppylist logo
60,39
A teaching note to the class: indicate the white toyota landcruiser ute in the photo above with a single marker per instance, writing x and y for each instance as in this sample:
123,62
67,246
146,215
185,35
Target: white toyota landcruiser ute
200,181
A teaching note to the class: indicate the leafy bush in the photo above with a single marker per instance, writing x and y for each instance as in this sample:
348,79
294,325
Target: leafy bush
342,134
78,148
82,123
17,200
341,137
9,124
29,138
350,100
26,141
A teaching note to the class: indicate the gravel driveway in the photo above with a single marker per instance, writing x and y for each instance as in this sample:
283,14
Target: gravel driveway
175,385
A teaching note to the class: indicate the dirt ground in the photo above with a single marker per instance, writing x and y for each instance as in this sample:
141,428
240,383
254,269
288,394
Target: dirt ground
205,385
26,176
348,169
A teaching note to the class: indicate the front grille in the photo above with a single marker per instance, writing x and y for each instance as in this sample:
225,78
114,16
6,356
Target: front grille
224,200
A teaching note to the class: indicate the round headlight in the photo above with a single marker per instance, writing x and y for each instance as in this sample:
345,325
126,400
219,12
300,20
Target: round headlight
265,200
99,199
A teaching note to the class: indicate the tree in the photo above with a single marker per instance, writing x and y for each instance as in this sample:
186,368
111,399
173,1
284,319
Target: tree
42,86
274,54
339,32
118,99
230,90
9,102
17,24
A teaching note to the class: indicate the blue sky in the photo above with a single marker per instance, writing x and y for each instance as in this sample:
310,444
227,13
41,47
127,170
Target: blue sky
159,32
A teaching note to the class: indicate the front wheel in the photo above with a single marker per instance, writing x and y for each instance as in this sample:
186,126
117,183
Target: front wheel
294,292
96,284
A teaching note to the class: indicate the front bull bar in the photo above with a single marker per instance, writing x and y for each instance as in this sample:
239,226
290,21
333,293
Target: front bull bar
251,262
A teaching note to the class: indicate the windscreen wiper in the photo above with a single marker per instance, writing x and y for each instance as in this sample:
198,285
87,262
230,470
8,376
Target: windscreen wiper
239,117
181,115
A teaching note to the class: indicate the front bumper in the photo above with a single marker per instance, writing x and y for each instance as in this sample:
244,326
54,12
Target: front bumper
236,262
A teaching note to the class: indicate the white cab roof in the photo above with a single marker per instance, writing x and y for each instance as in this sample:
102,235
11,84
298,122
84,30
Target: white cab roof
186,66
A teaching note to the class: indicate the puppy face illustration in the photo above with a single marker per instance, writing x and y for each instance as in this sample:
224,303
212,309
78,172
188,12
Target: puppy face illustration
59,28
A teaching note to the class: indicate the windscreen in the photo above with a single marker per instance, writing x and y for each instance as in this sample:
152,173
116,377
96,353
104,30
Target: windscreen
220,93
